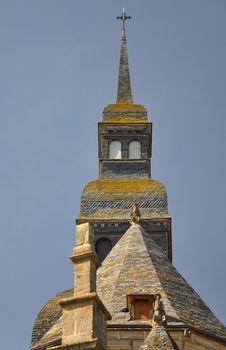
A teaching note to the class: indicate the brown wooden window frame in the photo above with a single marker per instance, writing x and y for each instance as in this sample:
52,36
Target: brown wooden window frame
140,306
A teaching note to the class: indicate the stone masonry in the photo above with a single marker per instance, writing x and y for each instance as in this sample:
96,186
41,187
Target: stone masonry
84,315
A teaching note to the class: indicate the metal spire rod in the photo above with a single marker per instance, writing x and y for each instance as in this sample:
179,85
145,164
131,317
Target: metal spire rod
123,17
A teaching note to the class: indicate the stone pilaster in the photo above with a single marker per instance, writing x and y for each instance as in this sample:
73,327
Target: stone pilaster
84,315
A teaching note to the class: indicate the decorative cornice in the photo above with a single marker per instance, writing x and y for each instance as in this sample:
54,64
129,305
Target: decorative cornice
86,298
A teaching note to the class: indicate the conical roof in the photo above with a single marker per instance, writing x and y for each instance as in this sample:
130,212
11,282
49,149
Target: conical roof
137,265
157,339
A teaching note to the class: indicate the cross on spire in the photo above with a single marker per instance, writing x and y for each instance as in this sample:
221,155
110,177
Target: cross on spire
123,17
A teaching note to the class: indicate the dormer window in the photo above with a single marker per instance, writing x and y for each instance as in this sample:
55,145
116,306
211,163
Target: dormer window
134,150
115,150
140,306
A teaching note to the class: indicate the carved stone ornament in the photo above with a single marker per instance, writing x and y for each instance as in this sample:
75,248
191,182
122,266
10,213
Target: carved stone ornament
158,312
135,215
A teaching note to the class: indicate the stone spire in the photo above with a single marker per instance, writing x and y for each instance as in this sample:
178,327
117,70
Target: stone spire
124,92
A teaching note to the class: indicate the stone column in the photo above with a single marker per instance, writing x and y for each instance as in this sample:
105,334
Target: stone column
84,315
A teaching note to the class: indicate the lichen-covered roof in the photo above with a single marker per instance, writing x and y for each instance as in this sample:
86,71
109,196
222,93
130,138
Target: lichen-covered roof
114,198
137,265
125,112
159,339
121,188
124,106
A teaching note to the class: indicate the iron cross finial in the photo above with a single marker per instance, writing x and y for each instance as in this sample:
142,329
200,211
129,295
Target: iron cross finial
123,17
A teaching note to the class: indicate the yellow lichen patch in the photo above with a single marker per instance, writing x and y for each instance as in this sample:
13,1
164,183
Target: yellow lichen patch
121,215
116,214
125,118
124,106
121,188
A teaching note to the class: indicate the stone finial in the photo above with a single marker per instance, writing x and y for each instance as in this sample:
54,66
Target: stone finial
135,215
158,312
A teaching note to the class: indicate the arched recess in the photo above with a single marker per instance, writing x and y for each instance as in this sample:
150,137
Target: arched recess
115,150
103,247
134,150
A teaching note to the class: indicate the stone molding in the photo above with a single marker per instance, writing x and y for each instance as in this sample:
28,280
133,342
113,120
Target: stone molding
89,344
90,255
83,298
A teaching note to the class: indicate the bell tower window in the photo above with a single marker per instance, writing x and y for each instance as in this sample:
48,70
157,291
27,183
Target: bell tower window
115,150
134,150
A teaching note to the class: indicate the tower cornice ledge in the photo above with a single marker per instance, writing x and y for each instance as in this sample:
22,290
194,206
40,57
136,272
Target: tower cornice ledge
85,256
90,344
83,298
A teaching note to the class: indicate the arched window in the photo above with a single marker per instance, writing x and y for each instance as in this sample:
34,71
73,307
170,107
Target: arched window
115,150
103,247
134,150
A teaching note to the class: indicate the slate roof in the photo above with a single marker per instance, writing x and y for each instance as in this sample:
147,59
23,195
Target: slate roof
114,198
158,339
137,265
48,316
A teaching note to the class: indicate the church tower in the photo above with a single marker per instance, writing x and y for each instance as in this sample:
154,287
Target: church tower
124,151
135,299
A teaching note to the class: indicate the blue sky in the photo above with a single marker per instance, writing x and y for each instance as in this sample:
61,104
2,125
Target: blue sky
58,69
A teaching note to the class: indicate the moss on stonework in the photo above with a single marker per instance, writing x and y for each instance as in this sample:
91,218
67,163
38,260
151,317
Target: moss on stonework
124,106
124,112
121,188
128,118
116,214
120,215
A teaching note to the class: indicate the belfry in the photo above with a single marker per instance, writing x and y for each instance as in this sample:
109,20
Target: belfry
127,295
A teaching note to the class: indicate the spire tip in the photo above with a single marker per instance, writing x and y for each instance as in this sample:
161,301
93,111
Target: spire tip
124,93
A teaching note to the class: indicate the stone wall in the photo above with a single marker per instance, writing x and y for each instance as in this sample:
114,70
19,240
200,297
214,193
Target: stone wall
132,339
114,169
160,231
114,232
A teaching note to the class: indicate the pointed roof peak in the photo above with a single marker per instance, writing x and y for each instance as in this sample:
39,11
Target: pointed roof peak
124,92
157,339
137,265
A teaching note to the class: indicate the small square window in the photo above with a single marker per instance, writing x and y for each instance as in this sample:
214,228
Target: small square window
140,306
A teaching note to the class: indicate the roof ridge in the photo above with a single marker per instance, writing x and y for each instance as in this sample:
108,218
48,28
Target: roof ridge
119,270
122,264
